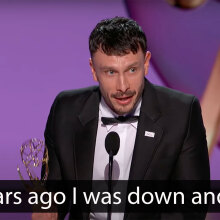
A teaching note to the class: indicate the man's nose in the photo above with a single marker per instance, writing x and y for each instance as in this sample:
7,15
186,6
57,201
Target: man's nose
122,83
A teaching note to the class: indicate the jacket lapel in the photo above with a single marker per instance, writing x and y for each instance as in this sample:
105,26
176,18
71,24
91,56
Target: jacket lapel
145,145
85,137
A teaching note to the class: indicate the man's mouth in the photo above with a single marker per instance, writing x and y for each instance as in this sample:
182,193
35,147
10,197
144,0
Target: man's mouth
124,100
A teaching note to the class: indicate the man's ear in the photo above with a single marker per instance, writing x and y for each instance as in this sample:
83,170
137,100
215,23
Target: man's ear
147,62
93,69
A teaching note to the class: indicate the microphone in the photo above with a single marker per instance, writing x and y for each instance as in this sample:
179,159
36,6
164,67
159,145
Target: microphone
112,143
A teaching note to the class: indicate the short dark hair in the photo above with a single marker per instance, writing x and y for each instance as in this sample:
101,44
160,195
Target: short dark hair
117,36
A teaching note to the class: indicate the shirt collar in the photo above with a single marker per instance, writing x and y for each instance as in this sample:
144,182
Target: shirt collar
105,111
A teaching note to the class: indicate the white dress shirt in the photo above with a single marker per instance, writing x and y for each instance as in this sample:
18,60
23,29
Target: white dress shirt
122,161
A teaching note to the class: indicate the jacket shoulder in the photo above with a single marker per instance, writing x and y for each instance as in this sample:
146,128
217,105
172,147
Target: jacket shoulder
74,100
76,93
173,99
176,104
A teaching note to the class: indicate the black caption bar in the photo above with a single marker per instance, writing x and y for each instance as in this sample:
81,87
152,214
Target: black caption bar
126,196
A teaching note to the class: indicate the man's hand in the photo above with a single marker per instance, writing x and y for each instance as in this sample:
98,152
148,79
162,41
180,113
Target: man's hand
44,216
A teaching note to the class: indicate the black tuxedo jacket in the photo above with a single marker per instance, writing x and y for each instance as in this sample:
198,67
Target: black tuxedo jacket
178,150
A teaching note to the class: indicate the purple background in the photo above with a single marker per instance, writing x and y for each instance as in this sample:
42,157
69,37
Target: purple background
184,43
44,49
184,46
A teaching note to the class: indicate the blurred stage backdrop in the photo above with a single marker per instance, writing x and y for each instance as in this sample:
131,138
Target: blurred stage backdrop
44,49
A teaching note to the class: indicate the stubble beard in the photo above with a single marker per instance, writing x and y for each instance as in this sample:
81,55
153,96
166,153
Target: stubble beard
122,110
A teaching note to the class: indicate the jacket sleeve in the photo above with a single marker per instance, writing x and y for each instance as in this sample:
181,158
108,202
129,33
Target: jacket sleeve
53,162
193,161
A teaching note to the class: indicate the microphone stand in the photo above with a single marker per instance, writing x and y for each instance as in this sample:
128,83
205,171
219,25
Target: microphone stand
110,182
112,143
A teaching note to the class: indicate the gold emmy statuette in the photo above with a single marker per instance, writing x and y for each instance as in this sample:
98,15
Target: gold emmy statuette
34,154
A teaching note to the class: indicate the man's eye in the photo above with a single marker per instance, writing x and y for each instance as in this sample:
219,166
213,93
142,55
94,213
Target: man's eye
110,72
132,70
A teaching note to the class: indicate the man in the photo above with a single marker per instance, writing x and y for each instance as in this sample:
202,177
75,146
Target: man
168,140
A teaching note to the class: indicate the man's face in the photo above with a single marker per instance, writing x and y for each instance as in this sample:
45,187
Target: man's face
121,78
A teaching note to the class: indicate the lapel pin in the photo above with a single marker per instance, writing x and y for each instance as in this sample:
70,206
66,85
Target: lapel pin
149,134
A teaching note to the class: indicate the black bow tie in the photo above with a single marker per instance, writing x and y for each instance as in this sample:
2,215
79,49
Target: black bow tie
120,119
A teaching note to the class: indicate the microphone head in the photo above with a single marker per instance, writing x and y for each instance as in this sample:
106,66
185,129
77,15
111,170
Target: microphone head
112,143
